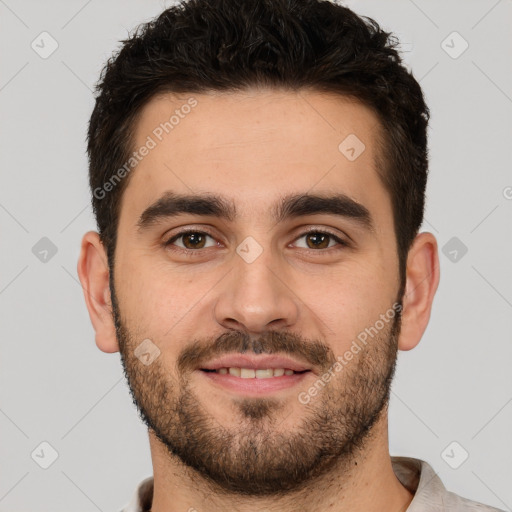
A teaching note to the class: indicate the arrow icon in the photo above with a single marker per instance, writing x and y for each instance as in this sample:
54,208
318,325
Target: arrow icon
44,44
351,147
44,250
451,455
454,45
454,249
147,352
454,455
249,249
44,455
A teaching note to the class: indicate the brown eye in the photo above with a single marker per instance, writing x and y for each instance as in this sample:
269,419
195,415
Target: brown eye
320,240
317,240
193,240
190,240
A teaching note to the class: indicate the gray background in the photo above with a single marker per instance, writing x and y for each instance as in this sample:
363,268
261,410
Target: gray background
57,387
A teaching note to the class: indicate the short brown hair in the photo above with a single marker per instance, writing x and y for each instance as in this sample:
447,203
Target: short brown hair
228,45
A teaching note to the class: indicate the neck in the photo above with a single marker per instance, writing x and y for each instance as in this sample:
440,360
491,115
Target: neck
369,485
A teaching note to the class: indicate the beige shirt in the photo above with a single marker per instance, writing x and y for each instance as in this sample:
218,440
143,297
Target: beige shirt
430,494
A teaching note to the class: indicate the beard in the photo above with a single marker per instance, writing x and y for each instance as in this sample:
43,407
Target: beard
255,458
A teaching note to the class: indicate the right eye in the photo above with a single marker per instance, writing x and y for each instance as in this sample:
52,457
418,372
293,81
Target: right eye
190,240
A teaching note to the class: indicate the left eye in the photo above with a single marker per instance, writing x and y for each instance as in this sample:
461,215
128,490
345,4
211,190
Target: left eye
192,240
320,240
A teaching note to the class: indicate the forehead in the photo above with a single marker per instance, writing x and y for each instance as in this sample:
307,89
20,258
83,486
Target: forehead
252,146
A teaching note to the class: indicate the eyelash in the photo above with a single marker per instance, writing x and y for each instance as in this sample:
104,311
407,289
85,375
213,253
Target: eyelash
194,252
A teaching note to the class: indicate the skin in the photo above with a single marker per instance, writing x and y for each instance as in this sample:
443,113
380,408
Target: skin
253,148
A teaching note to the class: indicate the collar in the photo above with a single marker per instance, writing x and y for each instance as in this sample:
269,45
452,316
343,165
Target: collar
416,475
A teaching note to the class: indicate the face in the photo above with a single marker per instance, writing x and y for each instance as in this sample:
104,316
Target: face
253,255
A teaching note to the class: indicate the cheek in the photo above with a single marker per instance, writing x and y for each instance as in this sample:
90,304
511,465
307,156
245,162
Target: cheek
350,302
157,301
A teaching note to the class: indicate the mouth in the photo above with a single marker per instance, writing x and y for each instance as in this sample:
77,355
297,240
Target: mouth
254,375
251,373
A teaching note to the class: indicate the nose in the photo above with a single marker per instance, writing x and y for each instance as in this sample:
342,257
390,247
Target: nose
256,298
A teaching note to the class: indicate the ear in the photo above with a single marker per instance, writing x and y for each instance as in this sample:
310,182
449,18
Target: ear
94,276
422,280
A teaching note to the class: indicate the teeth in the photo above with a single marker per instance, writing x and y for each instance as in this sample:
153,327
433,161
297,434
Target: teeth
235,371
250,373
264,374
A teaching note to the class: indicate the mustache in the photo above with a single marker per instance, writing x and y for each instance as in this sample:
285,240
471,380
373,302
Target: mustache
315,352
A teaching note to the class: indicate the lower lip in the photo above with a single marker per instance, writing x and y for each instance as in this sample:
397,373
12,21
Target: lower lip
254,386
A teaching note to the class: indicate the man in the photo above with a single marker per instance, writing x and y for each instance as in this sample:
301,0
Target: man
258,172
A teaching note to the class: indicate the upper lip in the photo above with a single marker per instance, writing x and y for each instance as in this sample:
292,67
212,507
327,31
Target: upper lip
255,362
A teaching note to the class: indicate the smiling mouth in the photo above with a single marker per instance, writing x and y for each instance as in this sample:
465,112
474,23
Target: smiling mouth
251,373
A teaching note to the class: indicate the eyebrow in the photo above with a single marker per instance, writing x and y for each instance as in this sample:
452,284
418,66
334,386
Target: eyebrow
291,206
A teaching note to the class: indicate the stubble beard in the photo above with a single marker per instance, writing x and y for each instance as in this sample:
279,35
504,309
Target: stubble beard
255,457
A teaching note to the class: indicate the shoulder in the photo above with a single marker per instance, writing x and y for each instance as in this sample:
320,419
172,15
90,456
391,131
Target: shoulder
453,501
429,492
142,497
